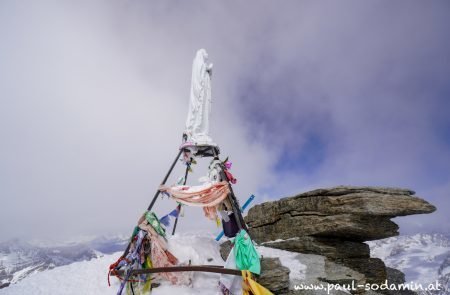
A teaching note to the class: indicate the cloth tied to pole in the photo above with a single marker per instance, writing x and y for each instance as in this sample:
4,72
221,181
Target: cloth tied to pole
208,196
162,257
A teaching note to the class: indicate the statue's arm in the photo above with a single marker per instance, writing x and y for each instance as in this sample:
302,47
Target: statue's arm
209,68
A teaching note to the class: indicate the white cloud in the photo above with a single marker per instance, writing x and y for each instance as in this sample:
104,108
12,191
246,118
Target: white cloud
94,100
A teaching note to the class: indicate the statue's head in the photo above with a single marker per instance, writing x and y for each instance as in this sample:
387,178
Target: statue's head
201,53
201,64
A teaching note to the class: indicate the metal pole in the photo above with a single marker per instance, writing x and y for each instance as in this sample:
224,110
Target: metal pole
232,197
176,220
164,180
179,205
200,268
234,203
156,195
249,200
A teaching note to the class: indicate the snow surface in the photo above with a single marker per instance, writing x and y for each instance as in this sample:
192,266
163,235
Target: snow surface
288,259
420,257
90,277
85,277
25,272
19,258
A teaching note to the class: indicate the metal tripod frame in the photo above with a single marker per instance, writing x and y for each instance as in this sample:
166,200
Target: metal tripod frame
232,197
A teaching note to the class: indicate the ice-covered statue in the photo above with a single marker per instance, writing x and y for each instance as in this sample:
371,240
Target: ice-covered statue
197,123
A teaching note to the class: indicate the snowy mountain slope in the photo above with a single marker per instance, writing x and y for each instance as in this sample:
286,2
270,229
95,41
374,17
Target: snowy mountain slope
423,258
85,277
90,277
20,259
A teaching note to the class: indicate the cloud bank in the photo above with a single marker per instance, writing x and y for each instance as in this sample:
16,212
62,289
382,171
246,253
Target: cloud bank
94,97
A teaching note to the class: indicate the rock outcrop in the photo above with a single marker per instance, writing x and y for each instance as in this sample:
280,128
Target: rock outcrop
274,276
334,223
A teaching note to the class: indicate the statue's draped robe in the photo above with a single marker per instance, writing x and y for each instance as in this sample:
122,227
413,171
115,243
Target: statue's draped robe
197,123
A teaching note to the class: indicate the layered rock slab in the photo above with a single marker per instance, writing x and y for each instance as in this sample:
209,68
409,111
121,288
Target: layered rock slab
344,212
334,223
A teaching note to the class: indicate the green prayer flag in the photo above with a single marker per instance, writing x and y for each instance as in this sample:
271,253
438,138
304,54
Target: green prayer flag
153,220
247,258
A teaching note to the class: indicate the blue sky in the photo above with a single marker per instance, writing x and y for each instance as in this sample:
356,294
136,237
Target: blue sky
94,97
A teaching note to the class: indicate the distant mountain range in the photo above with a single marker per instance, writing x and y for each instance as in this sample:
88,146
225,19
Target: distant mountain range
19,259
423,258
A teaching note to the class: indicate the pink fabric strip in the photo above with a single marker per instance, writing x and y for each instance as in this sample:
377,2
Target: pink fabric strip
161,257
208,197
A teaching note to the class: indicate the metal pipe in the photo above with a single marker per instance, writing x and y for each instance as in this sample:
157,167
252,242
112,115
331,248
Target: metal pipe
156,195
232,197
164,180
179,205
201,268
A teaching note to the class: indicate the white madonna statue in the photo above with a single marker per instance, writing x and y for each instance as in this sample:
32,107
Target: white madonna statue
197,123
